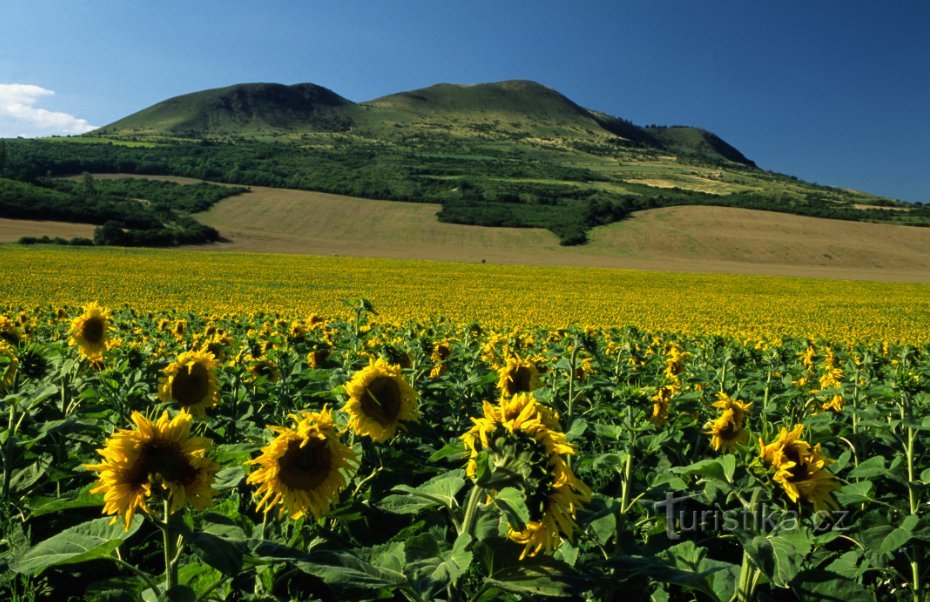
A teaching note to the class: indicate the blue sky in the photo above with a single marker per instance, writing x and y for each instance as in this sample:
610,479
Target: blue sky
832,91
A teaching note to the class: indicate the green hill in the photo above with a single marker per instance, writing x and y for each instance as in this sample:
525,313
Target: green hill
239,109
513,153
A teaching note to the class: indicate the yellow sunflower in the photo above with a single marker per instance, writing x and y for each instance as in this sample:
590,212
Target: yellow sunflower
263,366
524,439
160,454
89,331
801,469
518,376
380,398
303,469
318,357
726,432
8,365
191,381
660,404
9,332
441,352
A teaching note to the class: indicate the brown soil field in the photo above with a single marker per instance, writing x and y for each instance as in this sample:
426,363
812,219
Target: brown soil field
688,238
12,230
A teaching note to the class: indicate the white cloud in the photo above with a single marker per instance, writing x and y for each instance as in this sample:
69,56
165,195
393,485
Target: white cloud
19,115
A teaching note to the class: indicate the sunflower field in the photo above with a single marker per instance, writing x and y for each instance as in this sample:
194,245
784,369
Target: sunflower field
165,455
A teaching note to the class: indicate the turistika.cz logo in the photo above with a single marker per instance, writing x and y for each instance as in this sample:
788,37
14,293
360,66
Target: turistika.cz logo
764,518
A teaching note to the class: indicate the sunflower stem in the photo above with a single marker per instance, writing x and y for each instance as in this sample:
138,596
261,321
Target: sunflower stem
171,575
471,510
748,574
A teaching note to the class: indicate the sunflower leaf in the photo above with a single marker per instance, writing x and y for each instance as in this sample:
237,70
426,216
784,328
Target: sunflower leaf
512,503
438,491
872,467
87,541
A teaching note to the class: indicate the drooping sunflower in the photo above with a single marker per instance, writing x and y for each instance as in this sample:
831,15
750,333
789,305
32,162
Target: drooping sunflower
801,469
441,352
89,331
518,376
727,431
160,456
9,364
303,469
523,438
191,381
660,404
380,399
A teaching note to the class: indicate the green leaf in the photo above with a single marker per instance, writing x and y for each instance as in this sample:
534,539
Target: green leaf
537,576
438,491
349,571
453,451
854,493
87,541
512,504
872,467
433,565
709,469
898,536
229,478
81,498
577,429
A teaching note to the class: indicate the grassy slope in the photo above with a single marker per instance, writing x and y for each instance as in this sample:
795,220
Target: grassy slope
714,239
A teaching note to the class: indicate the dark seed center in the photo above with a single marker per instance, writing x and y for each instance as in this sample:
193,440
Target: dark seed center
93,330
191,385
382,400
305,468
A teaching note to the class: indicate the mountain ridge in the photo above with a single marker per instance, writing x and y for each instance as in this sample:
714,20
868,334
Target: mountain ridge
268,108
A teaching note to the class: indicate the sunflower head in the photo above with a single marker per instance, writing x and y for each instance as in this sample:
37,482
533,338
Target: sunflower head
304,469
9,332
318,357
191,382
726,432
526,449
380,399
661,402
89,331
262,366
518,376
801,469
159,456
9,364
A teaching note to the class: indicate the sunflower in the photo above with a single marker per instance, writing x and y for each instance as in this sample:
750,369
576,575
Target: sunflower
379,400
441,352
318,357
191,381
89,331
303,469
219,345
660,403
726,432
800,469
9,363
9,332
524,441
161,453
262,366
518,376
